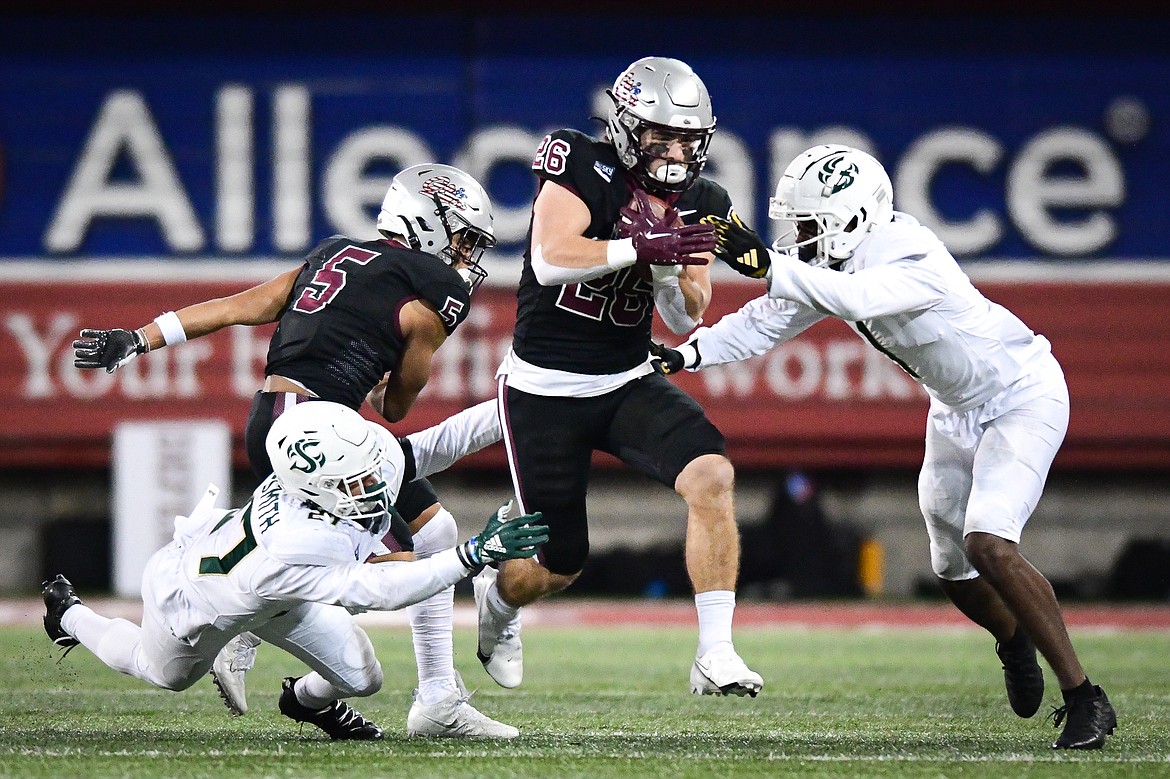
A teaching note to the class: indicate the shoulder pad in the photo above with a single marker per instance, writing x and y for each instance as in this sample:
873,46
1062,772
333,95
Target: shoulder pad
899,239
573,159
440,285
704,198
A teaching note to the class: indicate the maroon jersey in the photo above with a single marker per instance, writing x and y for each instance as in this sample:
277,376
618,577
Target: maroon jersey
600,326
338,333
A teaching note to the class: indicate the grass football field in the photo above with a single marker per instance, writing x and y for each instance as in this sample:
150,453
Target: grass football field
607,701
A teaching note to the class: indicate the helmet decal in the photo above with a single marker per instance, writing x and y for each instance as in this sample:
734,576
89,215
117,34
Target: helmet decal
836,180
301,459
627,90
446,191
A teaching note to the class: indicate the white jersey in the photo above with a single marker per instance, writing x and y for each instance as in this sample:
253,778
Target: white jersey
238,569
904,293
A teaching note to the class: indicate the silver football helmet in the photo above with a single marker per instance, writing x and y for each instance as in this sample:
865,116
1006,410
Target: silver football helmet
834,196
329,456
443,211
659,102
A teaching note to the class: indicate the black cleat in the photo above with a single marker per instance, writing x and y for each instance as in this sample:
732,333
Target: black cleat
337,719
1087,721
59,596
1022,675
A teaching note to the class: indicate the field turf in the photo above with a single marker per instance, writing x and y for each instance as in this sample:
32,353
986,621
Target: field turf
607,701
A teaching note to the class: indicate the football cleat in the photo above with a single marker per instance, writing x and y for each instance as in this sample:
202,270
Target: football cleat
337,719
454,717
499,647
721,672
228,669
1087,721
1022,675
59,595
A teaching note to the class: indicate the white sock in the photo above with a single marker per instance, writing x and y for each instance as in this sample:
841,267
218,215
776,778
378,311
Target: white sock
716,609
498,606
115,642
314,692
434,652
432,620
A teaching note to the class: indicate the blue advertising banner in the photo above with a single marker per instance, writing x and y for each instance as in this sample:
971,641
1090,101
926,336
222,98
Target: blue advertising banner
162,138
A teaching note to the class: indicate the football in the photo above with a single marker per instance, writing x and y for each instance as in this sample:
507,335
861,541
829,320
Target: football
658,207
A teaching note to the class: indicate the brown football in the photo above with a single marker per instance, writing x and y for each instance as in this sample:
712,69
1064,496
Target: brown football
658,207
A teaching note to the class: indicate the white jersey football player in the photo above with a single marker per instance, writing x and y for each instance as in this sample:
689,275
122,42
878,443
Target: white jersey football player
999,405
289,566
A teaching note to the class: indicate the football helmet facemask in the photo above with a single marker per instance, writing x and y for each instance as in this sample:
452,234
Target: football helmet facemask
661,123
329,456
443,211
833,196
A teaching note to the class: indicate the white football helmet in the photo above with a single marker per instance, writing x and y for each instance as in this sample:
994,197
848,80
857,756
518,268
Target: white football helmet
834,195
329,456
442,211
656,102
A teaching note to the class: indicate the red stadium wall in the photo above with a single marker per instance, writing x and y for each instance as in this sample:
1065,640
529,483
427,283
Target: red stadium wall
823,399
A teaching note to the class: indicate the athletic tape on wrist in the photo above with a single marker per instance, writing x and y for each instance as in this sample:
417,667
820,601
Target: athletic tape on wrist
620,253
172,329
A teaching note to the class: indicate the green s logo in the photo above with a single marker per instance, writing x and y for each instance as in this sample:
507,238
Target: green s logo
834,177
302,456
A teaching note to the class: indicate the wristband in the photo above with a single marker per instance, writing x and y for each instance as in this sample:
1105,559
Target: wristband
172,329
690,355
620,253
141,342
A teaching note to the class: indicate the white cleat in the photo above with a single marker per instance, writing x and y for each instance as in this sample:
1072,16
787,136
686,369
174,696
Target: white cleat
228,669
499,647
722,672
454,717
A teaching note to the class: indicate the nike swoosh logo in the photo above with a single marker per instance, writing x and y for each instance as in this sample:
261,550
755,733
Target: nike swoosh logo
652,236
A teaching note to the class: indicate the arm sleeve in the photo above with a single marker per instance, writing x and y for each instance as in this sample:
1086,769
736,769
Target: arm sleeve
548,275
437,448
761,324
382,587
672,307
909,284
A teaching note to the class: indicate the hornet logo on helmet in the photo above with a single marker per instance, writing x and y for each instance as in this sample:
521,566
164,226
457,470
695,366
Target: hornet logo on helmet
442,188
302,459
836,180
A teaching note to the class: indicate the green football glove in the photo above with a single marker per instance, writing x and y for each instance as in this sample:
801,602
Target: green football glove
504,539
740,246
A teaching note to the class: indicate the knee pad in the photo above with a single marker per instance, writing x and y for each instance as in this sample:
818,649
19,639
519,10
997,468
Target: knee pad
948,559
438,534
360,683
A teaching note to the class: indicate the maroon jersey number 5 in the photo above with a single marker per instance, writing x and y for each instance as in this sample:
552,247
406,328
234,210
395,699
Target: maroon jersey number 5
330,279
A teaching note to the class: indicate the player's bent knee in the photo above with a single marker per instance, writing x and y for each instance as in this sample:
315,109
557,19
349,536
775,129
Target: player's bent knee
362,684
706,476
988,552
949,561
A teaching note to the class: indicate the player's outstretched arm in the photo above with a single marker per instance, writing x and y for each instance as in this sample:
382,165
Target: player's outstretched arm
740,246
111,349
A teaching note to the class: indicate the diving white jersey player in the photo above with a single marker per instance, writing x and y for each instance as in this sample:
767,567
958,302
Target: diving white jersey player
289,566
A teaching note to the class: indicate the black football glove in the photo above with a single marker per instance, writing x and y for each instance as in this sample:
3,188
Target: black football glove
658,242
109,349
666,360
740,246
